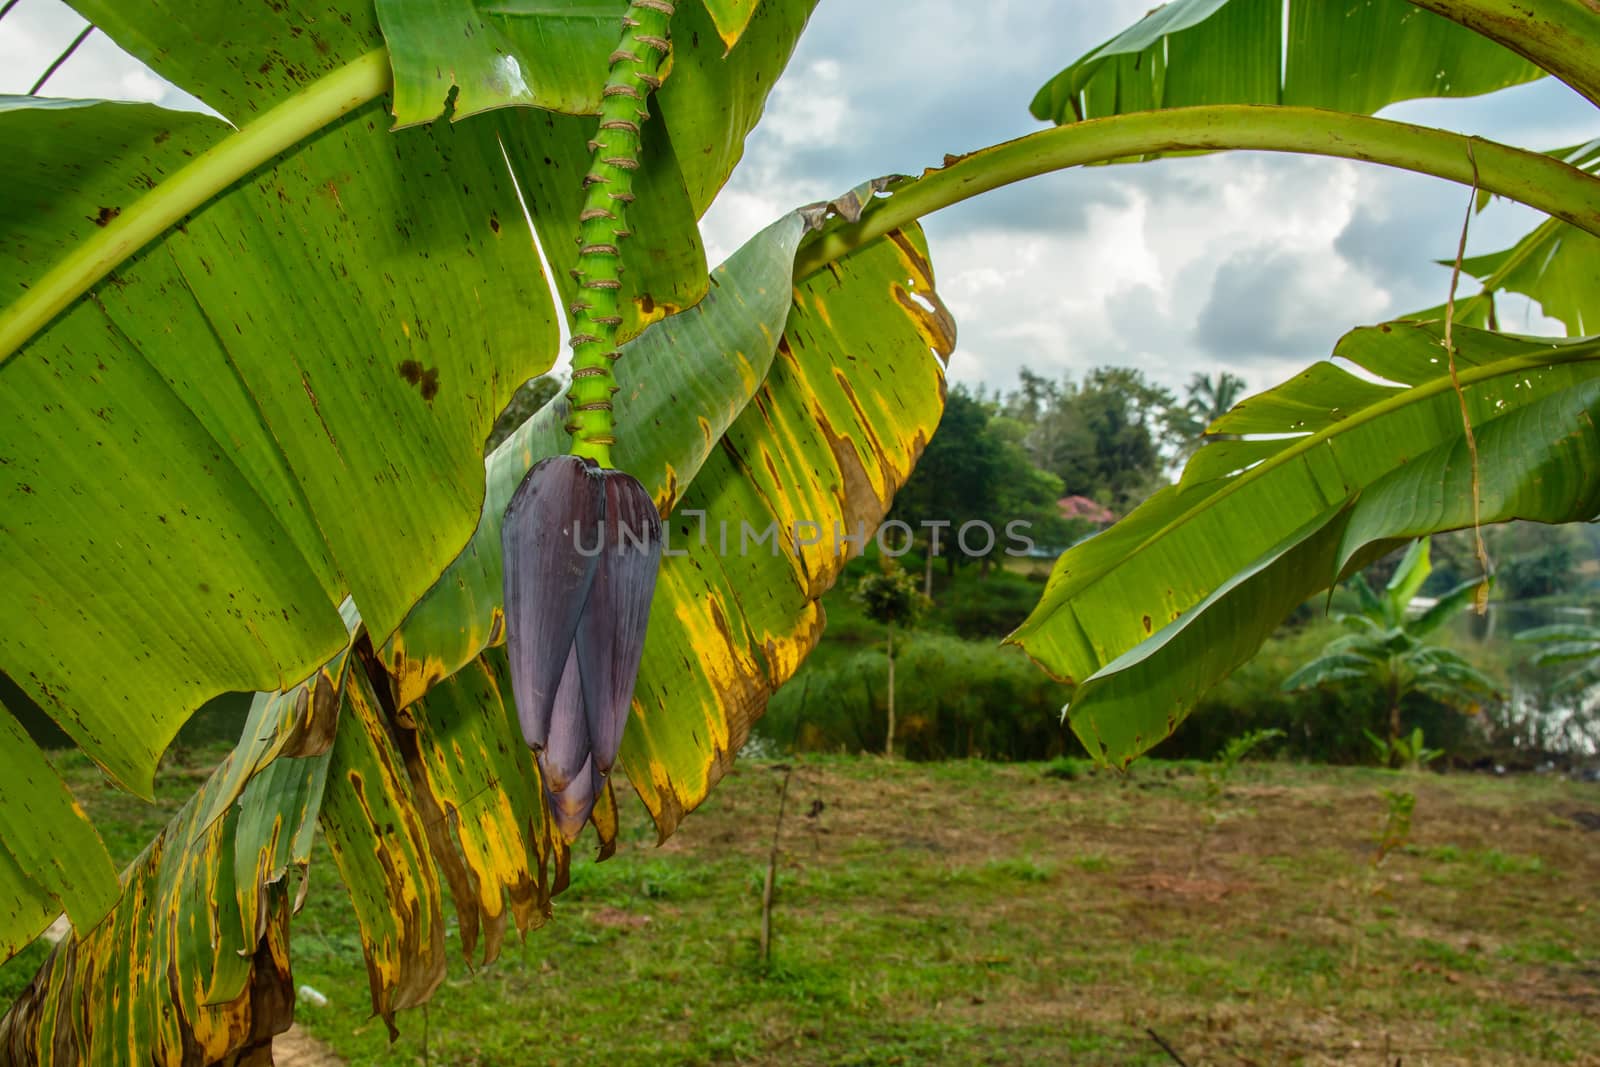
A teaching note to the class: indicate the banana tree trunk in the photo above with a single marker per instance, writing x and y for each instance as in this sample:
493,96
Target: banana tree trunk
1394,711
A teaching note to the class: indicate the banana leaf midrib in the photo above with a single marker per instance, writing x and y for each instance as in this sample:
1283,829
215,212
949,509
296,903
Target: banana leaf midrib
1532,178
238,154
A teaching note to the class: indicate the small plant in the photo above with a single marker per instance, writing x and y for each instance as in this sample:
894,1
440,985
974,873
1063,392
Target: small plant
1407,752
890,596
1220,769
1217,773
1395,831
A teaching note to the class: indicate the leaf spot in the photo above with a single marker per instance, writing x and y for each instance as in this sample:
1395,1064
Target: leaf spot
425,379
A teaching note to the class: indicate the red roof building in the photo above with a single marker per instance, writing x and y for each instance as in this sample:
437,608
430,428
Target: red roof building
1081,507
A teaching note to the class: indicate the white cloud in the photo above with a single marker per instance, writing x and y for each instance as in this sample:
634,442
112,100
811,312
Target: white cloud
36,32
810,112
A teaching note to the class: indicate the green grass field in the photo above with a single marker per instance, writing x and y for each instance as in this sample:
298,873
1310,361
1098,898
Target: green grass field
970,913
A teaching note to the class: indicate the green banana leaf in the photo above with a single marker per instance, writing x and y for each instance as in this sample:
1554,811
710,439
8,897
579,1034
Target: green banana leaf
533,53
68,871
425,783
1357,57
731,17
1150,614
712,97
251,366
541,53
218,424
1555,266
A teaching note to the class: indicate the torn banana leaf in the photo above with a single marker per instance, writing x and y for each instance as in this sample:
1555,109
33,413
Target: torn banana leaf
855,392
427,782
192,964
844,404
375,830
479,784
1555,266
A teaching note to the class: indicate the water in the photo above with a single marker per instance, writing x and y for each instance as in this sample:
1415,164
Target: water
1532,717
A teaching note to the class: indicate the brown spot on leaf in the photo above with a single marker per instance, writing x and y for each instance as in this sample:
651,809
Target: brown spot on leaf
104,216
425,379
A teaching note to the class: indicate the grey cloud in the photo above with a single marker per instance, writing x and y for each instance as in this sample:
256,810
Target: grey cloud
1408,224
933,77
1541,115
1264,304
1053,204
1139,321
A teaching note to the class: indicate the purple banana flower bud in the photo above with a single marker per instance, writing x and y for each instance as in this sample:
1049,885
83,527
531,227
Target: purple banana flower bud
582,548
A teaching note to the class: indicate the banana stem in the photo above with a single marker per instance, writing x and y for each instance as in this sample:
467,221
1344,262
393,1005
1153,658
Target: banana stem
636,64
1529,177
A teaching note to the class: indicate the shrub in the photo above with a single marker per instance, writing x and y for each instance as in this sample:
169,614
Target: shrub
989,606
1327,726
957,699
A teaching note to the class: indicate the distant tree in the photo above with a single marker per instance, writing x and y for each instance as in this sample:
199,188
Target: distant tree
1211,398
959,478
534,394
1542,572
1121,420
1207,398
1388,648
1036,404
1033,497
890,597
978,468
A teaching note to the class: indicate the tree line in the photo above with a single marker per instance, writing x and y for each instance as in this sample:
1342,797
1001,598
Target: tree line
1111,437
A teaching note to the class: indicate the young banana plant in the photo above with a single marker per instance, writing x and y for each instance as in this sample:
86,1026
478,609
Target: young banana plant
582,541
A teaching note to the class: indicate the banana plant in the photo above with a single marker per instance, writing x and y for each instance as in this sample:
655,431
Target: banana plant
1388,647
1564,644
247,365
1410,428
264,351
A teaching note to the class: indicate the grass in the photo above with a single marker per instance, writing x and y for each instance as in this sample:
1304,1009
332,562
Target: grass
972,913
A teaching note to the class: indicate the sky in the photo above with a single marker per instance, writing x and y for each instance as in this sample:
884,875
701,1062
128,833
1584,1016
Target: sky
1253,263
